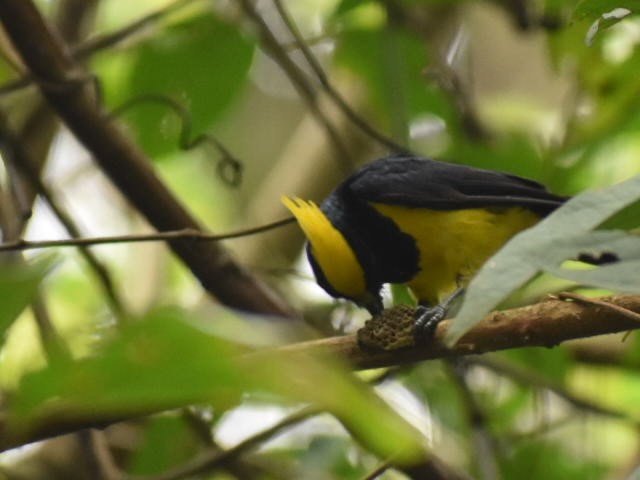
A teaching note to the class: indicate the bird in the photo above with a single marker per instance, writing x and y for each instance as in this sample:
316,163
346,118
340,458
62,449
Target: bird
417,221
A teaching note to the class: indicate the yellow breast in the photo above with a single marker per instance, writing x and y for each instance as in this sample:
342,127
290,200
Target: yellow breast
454,244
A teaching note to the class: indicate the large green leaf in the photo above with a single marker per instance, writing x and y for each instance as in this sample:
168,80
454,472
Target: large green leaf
562,235
18,284
168,360
201,62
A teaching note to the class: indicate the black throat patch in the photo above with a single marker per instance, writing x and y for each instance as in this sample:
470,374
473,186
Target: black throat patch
386,254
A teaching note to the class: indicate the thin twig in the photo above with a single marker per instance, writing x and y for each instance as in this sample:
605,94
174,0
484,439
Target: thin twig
100,270
576,297
53,345
379,470
20,159
356,119
184,234
299,80
102,42
101,462
442,70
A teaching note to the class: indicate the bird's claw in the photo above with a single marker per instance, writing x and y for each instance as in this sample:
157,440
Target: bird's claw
427,320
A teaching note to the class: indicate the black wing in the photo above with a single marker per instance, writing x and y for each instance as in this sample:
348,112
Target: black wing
420,182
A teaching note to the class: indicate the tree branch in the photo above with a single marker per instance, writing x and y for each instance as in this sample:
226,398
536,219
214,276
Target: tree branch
337,98
75,101
544,324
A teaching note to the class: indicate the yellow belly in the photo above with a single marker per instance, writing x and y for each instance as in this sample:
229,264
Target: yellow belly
454,244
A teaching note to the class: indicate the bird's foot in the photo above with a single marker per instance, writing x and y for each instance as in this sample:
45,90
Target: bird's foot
428,318
426,321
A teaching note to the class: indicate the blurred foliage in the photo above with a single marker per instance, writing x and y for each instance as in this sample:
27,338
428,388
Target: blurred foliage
158,449
530,87
533,459
168,359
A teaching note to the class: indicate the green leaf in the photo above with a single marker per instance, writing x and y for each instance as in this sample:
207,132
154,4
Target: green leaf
200,62
169,359
545,246
18,284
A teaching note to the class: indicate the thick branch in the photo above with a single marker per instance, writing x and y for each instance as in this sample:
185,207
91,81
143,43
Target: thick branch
73,98
544,324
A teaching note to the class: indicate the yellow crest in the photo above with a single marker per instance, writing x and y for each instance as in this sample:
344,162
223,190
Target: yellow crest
329,247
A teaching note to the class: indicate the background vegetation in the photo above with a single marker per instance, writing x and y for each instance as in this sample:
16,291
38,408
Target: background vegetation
152,362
